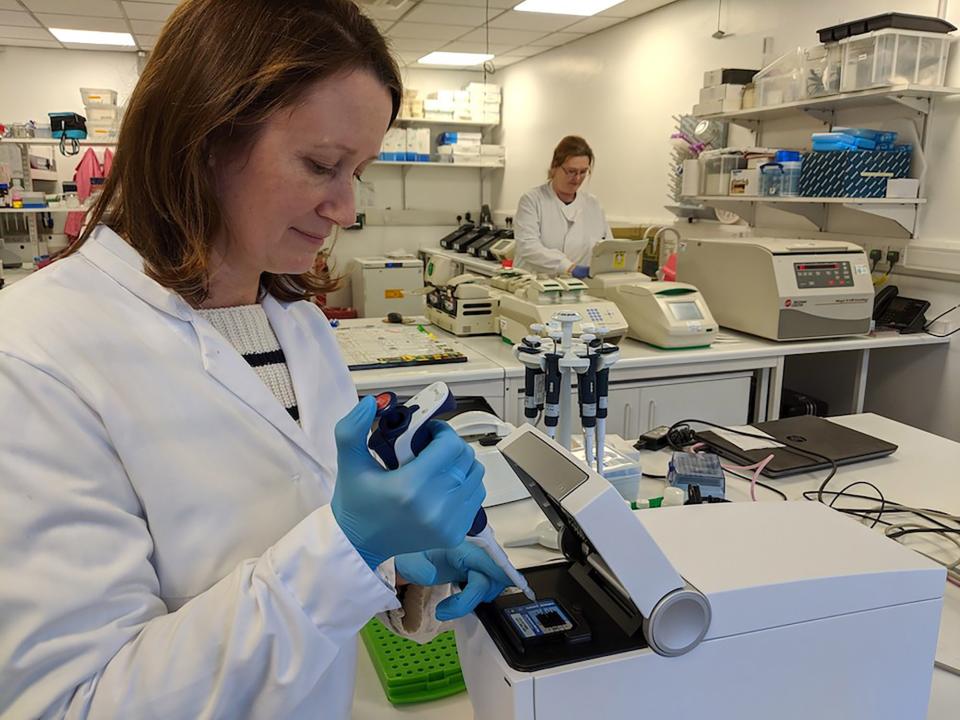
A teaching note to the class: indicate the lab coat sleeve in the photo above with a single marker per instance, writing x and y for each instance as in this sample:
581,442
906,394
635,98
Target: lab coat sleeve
417,619
83,631
530,253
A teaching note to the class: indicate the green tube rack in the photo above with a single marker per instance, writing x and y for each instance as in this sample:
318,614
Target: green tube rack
413,673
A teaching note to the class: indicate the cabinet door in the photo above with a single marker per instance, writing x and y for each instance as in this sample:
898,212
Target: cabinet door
623,414
723,400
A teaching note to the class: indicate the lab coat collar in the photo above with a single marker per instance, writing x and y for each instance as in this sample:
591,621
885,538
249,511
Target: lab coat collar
123,263
572,211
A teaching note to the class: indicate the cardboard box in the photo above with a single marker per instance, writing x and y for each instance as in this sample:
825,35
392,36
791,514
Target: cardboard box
745,182
852,173
716,106
722,92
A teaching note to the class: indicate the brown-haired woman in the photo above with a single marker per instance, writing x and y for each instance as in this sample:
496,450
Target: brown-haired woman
184,531
558,223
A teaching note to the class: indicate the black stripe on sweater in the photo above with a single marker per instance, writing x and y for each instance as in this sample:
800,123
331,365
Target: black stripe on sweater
274,357
294,412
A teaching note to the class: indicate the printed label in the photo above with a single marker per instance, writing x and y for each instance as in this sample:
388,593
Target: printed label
619,260
395,294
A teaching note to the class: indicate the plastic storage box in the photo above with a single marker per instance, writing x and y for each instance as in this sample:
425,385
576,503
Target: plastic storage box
800,74
716,169
93,97
894,57
903,21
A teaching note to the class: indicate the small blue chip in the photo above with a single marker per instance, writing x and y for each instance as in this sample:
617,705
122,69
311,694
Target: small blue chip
702,469
538,619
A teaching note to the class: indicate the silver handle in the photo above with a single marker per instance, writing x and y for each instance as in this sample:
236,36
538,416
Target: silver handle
651,414
626,420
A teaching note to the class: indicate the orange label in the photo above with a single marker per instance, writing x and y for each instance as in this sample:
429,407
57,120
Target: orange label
393,294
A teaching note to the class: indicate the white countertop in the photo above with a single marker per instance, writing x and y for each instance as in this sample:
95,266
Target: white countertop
920,473
729,345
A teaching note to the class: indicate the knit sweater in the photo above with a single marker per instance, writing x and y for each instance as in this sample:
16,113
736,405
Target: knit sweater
247,328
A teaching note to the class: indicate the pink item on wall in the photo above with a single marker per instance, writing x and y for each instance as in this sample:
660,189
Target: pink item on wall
88,167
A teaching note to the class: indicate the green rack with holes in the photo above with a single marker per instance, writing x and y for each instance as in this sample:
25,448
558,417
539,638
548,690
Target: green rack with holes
413,673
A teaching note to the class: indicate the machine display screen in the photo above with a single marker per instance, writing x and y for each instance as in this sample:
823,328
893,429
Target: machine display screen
685,311
823,274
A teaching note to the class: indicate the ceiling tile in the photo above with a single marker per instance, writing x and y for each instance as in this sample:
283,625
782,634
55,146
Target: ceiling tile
428,31
448,14
414,45
75,22
557,39
30,43
386,13
146,41
382,25
476,47
17,19
632,8
410,58
593,24
505,60
146,27
544,22
88,8
147,11
527,50
501,4
10,5
9,31
501,36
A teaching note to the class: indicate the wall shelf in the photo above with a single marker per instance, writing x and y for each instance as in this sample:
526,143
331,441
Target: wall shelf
52,210
902,211
410,163
460,123
916,97
54,142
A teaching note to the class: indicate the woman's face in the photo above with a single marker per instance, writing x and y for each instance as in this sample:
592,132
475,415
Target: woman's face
282,196
571,174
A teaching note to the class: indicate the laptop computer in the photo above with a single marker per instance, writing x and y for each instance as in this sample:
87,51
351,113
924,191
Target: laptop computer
837,442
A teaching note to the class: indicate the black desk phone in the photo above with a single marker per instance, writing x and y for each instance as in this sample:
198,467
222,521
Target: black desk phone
892,310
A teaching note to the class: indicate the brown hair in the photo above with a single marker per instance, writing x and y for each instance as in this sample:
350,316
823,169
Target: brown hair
570,146
220,68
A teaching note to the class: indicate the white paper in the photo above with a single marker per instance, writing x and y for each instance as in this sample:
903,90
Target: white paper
747,443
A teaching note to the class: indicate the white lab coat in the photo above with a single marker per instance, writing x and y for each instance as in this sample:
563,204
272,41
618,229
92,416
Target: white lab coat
551,235
166,546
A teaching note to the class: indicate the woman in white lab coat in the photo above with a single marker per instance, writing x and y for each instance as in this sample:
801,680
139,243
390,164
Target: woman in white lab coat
186,530
558,223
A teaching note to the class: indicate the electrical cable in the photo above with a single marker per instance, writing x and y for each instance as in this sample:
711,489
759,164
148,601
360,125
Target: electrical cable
926,328
809,453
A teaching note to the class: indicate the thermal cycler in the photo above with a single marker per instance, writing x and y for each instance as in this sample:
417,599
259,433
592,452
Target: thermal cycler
781,289
753,611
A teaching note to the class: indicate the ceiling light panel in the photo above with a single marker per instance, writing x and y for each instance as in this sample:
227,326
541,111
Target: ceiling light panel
584,8
92,37
455,59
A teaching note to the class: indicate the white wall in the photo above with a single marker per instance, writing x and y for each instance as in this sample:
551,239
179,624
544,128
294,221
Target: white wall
619,89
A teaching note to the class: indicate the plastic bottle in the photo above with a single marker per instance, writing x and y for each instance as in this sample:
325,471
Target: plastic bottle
771,179
792,165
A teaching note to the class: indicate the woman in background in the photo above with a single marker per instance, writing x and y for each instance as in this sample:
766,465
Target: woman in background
558,223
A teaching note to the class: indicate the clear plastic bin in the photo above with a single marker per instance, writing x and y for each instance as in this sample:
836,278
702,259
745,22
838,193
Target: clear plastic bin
104,113
98,96
716,169
822,65
894,57
782,81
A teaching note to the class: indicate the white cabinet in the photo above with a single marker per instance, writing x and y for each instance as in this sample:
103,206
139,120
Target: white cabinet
636,406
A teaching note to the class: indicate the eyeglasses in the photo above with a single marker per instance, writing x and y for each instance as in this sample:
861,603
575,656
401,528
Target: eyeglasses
574,173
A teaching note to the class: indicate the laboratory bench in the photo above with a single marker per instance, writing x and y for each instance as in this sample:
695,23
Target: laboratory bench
738,379
914,475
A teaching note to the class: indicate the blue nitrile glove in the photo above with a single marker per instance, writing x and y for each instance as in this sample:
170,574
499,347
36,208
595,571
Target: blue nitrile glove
464,563
580,271
429,502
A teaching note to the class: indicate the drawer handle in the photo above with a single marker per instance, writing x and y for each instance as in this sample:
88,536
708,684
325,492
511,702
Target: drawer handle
626,420
652,414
